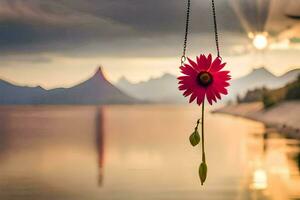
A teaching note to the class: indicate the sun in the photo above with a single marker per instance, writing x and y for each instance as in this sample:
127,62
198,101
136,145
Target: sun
260,41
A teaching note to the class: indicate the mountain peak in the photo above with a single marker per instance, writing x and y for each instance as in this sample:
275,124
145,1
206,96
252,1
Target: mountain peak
261,72
123,80
99,74
99,71
167,75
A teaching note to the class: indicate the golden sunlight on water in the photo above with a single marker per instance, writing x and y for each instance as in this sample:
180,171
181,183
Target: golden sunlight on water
140,152
260,180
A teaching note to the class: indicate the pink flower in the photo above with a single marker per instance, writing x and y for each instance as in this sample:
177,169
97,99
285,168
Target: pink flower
204,78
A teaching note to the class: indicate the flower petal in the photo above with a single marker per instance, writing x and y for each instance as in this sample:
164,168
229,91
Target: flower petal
208,62
200,95
193,97
215,65
222,75
216,92
188,70
183,87
220,87
187,92
213,96
182,77
222,90
193,64
209,97
220,67
201,60
189,82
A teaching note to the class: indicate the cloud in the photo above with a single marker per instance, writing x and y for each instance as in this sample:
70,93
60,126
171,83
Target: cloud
120,26
46,12
35,59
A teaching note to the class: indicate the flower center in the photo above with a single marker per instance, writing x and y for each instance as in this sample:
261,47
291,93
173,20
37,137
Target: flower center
204,79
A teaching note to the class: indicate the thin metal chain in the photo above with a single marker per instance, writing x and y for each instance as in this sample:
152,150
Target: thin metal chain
215,26
183,58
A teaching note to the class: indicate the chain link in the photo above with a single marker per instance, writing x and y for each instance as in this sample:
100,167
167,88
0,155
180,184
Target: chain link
188,11
183,57
215,26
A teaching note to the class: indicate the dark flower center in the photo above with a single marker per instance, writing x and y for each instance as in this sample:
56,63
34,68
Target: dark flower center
204,79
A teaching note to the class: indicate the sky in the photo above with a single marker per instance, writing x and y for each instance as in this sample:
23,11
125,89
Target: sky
59,43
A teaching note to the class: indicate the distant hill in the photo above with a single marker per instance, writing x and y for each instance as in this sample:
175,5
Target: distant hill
96,90
13,94
261,77
271,97
164,88
289,92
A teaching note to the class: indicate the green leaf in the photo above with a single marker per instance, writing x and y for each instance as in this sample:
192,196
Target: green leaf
203,172
194,138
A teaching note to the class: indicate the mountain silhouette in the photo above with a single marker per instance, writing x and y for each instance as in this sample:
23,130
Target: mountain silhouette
13,94
161,89
96,90
261,77
164,88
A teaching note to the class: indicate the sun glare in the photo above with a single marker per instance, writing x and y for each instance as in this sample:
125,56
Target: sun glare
260,41
260,180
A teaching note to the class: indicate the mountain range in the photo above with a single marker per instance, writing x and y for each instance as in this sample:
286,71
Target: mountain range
95,90
261,77
98,90
164,89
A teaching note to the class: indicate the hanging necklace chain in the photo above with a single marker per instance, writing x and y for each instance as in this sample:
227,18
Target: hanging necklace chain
215,26
187,22
188,11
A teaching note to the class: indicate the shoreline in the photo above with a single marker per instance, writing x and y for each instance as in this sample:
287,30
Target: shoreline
284,117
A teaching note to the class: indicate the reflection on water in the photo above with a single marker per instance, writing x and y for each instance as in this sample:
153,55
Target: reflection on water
275,172
140,152
260,180
100,143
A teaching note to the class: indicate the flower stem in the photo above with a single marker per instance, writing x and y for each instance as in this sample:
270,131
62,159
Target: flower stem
202,133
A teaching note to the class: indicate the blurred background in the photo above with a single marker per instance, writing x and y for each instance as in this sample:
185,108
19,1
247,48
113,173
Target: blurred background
89,105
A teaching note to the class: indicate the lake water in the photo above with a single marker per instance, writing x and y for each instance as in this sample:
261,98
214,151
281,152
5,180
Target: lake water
140,152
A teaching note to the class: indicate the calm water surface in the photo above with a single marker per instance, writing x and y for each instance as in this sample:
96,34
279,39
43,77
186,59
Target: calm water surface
140,152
